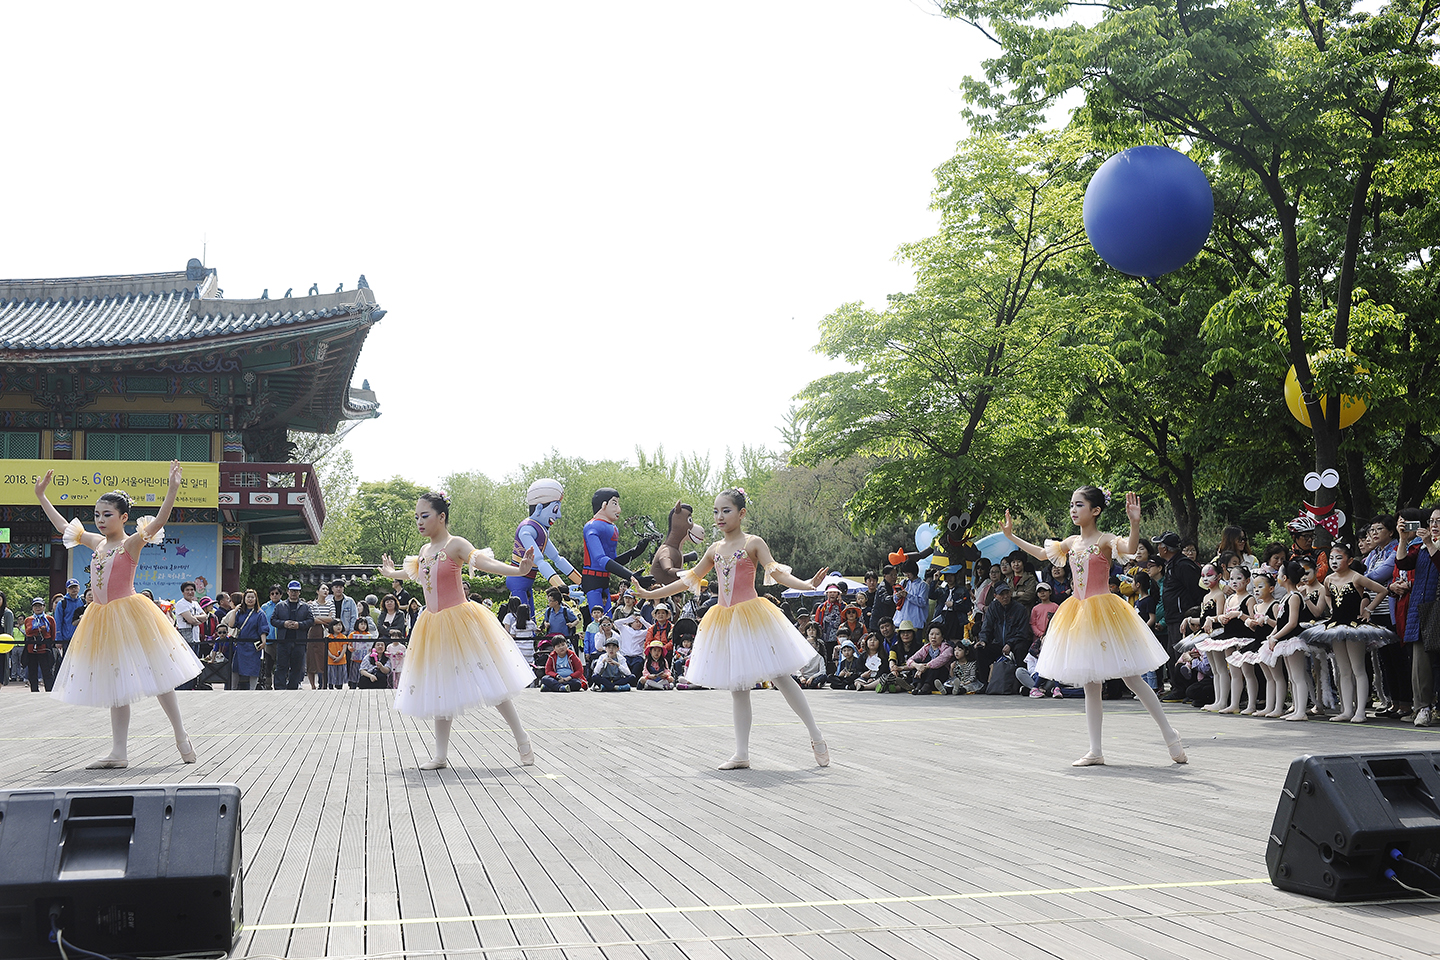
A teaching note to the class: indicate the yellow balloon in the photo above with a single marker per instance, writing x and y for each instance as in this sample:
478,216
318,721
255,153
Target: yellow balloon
6,647
1351,408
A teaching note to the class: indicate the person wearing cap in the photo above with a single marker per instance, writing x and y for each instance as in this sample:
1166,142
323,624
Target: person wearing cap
292,620
1006,622
67,614
656,673
1180,594
610,673
39,656
1044,609
848,668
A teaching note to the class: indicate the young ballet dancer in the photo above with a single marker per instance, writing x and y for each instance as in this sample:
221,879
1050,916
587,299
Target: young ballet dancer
125,648
1227,632
1096,635
1264,617
1285,652
744,638
1347,630
459,655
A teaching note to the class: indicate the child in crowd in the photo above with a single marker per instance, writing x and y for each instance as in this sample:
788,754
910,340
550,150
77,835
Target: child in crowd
337,666
1044,609
872,664
375,668
661,629
962,674
684,647
656,673
563,670
1347,629
610,672
848,668
812,675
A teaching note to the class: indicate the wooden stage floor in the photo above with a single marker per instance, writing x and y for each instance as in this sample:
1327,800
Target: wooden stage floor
945,827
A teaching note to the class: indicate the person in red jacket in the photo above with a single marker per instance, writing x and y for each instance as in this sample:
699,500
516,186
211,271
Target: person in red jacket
563,670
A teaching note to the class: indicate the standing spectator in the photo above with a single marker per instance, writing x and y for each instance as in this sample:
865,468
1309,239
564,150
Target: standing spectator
40,647
347,611
1059,581
395,650
338,664
413,608
1044,609
7,629
67,614
1394,658
1180,592
1022,581
189,615
520,626
402,596
1233,540
394,622
558,617
267,658
292,620
827,614
249,628
884,606
563,670
912,597
322,610
1422,621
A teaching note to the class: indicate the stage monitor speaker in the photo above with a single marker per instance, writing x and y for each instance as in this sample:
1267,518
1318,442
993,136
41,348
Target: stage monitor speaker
148,870
1340,817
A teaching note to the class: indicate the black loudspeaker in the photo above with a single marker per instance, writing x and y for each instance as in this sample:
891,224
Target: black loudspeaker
148,869
1340,817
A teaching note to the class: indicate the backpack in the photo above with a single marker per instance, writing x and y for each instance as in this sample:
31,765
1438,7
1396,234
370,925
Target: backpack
1002,677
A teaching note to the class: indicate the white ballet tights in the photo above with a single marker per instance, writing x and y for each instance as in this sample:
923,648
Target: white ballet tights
1242,675
442,739
1299,672
740,708
1095,712
507,711
1351,678
119,732
1220,677
1274,689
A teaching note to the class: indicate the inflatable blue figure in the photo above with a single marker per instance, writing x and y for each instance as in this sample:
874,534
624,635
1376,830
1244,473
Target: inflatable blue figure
602,540
543,497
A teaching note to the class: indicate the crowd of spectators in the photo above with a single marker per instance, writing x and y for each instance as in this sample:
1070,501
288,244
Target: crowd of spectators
950,631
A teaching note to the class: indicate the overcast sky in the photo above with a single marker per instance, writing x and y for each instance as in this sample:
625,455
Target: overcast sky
559,206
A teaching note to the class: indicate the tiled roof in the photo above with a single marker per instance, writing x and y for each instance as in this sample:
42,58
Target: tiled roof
84,317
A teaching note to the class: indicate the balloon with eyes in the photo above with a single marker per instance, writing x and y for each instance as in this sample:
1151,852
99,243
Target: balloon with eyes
947,547
1329,517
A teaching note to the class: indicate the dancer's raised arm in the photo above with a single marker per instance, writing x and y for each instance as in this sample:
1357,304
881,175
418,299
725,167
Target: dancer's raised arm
150,528
1038,552
91,540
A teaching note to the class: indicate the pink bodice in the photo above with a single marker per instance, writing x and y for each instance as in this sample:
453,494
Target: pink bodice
112,574
1090,572
735,577
440,580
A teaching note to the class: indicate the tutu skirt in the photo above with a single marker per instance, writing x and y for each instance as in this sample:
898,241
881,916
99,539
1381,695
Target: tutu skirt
123,651
737,647
1322,636
459,658
1098,638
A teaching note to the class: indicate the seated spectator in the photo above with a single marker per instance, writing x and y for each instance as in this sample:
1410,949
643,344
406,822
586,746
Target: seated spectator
904,644
812,675
684,648
1044,609
337,665
563,670
610,672
656,674
1029,674
962,674
848,668
872,663
375,667
852,618
929,667
589,647
632,629
395,651
1193,668
892,680
1006,622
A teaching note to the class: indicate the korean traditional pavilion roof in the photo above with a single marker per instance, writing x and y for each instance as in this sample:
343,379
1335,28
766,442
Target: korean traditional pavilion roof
306,347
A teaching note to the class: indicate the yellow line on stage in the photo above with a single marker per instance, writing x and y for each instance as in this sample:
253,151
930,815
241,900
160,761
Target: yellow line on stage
733,907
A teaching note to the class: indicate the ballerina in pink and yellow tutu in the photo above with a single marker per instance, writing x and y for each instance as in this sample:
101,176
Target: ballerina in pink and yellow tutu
744,638
125,648
460,656
1095,635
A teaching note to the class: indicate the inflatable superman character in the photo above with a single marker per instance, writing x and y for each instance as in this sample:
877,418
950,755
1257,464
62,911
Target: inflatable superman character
602,543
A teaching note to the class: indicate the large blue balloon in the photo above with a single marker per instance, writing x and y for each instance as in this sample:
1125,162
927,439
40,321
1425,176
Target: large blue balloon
1148,210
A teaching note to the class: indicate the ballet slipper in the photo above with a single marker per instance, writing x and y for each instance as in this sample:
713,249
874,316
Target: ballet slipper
1340,718
1248,713
734,764
1359,717
822,752
1297,716
527,754
187,753
1089,760
435,765
108,763
1275,714
1234,709
1177,750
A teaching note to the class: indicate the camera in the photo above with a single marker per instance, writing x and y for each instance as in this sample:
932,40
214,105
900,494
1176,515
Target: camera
1411,526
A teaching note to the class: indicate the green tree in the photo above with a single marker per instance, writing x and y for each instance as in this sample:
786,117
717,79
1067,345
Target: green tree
340,534
1316,121
951,397
385,515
